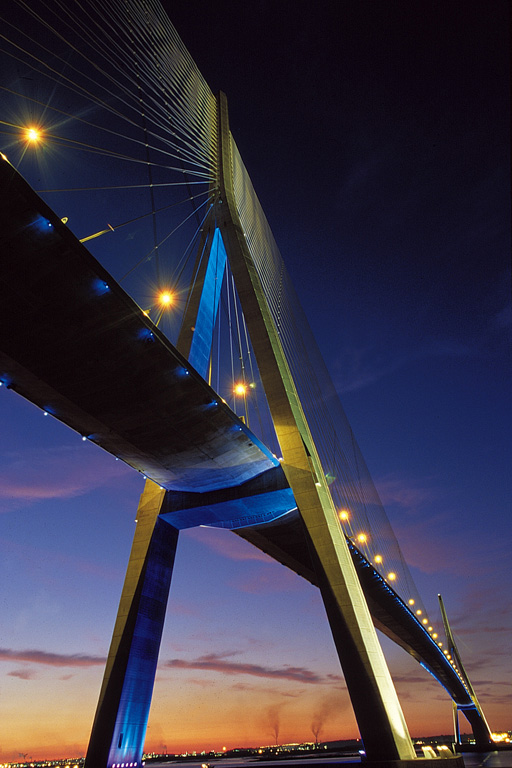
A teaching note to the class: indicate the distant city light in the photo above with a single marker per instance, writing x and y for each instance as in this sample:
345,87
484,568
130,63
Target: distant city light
496,737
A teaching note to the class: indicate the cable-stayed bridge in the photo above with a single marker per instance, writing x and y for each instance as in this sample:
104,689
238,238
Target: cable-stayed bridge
282,467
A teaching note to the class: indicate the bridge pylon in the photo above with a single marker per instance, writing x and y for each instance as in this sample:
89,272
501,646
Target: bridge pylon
119,727
121,718
473,712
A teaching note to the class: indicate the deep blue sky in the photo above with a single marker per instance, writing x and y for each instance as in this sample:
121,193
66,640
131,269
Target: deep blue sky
377,137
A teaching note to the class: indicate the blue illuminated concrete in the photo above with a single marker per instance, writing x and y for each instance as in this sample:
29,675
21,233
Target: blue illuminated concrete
119,728
200,349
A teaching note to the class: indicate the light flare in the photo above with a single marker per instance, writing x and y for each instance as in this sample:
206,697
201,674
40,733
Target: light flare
33,134
165,298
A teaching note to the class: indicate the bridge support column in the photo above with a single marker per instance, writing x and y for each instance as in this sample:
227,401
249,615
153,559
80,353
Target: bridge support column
378,713
478,725
120,723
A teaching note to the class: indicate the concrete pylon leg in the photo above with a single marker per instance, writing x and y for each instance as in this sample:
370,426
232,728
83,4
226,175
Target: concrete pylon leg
456,727
120,723
376,706
378,713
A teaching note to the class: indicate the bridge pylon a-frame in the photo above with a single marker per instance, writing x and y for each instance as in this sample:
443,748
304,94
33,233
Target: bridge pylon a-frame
120,724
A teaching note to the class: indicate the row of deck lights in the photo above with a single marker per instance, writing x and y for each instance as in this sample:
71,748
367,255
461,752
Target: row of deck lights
362,538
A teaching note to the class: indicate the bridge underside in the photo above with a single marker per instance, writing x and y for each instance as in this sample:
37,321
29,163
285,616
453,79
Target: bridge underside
73,343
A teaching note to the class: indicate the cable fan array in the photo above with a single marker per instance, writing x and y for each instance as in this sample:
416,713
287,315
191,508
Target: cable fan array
124,147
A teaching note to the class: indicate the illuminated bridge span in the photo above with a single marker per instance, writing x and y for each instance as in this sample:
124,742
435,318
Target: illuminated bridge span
287,475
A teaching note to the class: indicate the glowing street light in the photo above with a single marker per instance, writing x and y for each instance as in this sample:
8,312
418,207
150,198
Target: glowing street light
362,538
378,558
165,298
240,389
343,515
33,134
391,576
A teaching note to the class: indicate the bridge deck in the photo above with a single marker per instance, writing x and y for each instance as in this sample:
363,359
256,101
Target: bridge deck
75,344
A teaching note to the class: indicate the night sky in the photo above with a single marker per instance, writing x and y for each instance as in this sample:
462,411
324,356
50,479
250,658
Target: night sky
377,137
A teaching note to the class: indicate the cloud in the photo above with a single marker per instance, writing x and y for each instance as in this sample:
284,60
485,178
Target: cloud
23,674
227,544
51,659
56,473
358,368
269,578
425,550
221,663
405,493
211,662
28,555
503,318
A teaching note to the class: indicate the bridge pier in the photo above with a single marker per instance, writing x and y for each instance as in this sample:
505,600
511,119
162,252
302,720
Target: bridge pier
120,722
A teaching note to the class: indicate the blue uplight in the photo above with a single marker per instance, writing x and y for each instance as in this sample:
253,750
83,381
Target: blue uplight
145,334
42,224
100,287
